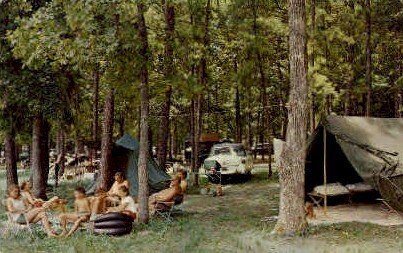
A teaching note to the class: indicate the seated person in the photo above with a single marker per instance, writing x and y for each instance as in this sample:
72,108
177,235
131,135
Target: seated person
34,202
127,204
167,195
18,207
183,175
82,212
120,181
99,202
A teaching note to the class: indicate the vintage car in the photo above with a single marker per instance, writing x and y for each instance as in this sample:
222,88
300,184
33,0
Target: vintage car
227,160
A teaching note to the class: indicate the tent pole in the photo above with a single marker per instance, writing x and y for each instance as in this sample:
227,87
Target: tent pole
325,168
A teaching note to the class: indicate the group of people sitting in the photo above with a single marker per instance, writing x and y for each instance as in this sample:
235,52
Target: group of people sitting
24,207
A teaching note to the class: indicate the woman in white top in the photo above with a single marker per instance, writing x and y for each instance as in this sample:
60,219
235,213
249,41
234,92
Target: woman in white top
127,204
19,207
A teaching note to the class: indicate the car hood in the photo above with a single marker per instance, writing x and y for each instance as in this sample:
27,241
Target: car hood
225,159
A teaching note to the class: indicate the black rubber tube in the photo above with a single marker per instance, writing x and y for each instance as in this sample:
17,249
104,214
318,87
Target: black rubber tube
113,224
113,217
113,231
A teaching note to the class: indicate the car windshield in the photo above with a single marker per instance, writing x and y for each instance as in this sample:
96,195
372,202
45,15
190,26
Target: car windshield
240,151
222,151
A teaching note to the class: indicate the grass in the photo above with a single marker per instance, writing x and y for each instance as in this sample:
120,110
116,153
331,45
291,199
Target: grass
231,223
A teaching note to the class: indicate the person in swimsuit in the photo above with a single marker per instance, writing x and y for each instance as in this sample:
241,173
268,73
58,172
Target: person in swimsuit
34,202
82,212
167,195
127,204
18,207
99,202
113,193
119,182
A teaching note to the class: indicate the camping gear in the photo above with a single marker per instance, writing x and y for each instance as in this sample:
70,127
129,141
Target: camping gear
125,159
114,224
157,178
358,149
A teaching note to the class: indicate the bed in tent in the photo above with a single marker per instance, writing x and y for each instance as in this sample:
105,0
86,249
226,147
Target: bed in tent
358,149
125,159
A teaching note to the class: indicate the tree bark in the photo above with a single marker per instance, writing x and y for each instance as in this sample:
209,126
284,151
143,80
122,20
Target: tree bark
95,113
144,97
368,58
238,120
37,164
169,12
11,159
192,135
107,141
60,148
292,190
45,149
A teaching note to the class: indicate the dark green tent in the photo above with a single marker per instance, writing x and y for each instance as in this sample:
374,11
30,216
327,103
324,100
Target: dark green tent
359,149
125,159
129,147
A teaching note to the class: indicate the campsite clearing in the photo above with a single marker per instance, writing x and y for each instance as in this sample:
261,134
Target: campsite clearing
232,223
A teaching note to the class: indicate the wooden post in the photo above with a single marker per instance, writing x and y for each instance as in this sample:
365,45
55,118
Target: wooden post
325,168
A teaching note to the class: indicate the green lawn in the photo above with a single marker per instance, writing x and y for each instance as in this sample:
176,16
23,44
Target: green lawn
231,223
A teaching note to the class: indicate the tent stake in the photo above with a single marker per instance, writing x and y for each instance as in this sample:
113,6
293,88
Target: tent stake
325,169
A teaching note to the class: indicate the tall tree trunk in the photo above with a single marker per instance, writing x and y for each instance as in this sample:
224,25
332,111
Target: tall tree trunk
292,170
37,164
95,112
192,135
368,58
11,159
45,149
60,147
107,141
169,11
144,97
238,120
197,134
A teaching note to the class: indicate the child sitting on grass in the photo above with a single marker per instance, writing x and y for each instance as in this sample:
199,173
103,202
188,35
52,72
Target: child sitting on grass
82,212
99,203
127,204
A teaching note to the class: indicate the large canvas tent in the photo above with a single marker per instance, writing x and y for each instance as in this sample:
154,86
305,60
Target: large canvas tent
125,159
358,149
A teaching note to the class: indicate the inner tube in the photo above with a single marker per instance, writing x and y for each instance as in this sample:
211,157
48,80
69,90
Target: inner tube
113,231
113,217
113,224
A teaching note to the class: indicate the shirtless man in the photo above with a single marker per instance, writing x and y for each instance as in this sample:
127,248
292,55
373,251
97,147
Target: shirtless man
183,175
113,193
82,212
166,195
119,182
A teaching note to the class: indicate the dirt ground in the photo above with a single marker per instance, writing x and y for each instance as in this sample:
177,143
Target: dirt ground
377,214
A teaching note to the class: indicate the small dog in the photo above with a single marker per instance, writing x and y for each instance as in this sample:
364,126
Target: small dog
309,211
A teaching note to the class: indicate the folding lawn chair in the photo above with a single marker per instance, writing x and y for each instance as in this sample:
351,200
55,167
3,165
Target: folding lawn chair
164,210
